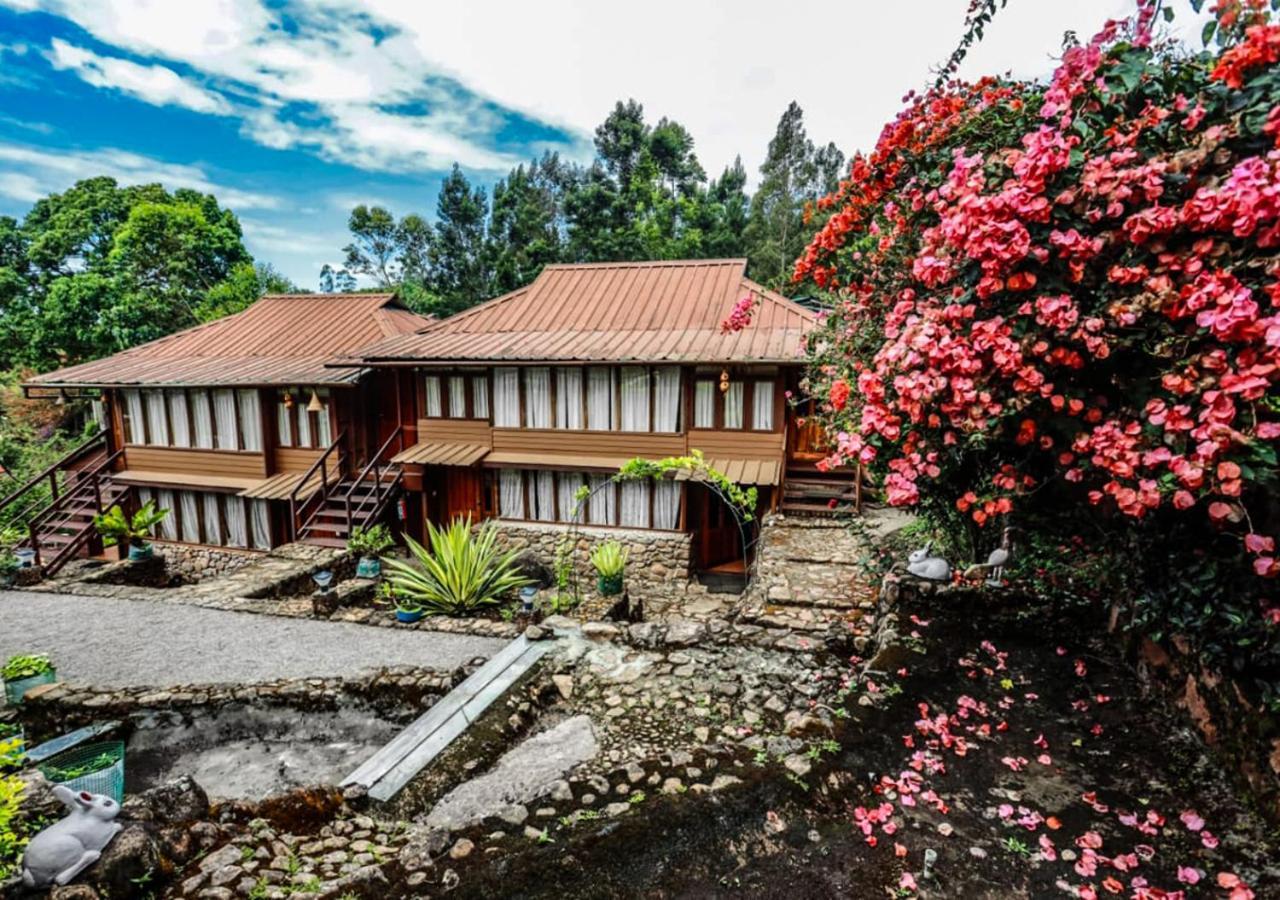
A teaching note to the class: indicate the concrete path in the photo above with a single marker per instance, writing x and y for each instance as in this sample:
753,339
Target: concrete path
122,643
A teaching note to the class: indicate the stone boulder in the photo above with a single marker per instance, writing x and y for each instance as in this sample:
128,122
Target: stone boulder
173,803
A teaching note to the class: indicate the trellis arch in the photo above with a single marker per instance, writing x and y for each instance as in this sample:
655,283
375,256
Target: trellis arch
694,467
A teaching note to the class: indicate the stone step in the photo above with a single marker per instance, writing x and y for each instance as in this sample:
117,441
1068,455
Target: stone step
797,618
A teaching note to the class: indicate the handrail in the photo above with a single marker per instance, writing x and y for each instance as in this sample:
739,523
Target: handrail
322,465
53,469
92,477
374,465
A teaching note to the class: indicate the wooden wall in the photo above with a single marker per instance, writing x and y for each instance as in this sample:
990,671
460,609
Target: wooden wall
223,463
738,444
589,443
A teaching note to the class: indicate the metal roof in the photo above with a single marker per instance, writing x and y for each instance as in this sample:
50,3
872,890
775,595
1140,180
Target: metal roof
663,311
280,339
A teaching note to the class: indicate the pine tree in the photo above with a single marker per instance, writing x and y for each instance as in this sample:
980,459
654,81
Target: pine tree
460,274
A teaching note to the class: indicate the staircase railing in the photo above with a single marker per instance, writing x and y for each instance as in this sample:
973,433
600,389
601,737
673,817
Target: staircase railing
303,509
21,505
94,480
378,465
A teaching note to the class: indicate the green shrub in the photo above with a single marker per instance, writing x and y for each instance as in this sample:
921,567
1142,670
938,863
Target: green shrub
20,667
371,542
462,572
609,559
12,841
117,528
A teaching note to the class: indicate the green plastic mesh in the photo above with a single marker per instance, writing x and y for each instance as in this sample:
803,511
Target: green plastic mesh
96,768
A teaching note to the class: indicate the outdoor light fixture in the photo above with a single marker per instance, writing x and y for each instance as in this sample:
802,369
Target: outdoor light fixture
724,381
315,405
288,400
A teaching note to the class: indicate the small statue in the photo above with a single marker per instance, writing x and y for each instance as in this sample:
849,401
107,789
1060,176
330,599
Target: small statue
67,847
922,564
996,561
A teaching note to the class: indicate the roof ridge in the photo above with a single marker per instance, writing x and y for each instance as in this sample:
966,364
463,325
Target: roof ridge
647,263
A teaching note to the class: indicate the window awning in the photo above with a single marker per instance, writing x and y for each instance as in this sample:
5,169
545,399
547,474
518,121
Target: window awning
442,453
743,471
279,487
190,480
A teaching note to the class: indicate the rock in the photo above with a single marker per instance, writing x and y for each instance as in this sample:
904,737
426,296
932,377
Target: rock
537,633
422,846
616,809
685,633
672,786
172,803
797,764
600,631
226,856
132,855
720,782
225,876
73,892
561,791
564,684
796,723
462,849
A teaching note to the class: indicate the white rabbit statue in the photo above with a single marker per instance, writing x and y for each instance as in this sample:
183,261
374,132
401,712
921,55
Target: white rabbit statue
67,847
922,564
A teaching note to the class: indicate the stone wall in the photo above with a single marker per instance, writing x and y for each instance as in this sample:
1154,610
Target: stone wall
655,558
195,563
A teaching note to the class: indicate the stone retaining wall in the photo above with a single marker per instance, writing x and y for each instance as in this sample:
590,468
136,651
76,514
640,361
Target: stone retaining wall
654,557
196,563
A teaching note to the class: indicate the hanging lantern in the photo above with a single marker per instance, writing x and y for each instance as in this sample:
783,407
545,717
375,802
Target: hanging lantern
315,405
724,381
288,400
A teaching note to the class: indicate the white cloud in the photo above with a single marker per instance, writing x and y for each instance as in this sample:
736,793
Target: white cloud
157,85
33,172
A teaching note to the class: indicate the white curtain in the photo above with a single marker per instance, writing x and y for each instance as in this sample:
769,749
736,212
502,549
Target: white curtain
569,398
762,406
537,397
144,496
212,519
544,495
666,399
157,428
187,501
432,383
506,397
304,428
635,504
250,419
704,404
511,494
224,416
234,507
600,399
259,519
202,417
458,396
733,405
181,436
635,398
284,424
569,482
479,397
169,525
603,505
324,425
133,409
666,504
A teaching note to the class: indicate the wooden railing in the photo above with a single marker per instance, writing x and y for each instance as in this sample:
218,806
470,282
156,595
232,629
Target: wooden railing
370,504
85,494
20,506
329,463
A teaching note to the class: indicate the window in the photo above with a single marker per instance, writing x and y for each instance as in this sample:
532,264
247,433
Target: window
506,397
296,426
222,419
537,397
762,405
548,496
733,405
479,397
211,518
602,401
635,398
746,403
457,395
704,403
569,398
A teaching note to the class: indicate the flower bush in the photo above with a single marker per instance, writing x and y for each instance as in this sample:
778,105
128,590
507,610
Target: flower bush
1057,303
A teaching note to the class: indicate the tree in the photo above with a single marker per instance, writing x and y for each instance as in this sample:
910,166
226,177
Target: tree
794,175
336,280
671,146
527,224
387,251
460,273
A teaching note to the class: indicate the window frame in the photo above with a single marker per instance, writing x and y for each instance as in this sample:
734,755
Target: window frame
470,377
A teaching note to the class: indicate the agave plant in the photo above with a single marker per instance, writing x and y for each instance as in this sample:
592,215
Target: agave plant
463,571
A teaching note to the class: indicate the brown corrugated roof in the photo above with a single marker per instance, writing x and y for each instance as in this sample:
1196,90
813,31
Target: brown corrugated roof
281,339
629,311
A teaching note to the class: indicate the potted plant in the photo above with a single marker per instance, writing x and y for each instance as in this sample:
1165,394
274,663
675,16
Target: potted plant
117,528
369,544
609,560
22,673
408,610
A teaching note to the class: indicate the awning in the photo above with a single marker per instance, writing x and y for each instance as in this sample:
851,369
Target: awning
442,453
538,459
743,471
279,487
193,480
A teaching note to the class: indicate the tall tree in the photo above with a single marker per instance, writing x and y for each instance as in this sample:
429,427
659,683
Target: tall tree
385,250
527,223
794,174
460,273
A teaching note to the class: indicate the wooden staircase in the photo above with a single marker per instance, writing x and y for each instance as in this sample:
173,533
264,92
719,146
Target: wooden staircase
345,502
57,506
810,493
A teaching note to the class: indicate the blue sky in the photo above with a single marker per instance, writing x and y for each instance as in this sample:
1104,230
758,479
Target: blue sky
292,111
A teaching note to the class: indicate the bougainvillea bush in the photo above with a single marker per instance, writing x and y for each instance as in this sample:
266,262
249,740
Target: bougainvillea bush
1057,310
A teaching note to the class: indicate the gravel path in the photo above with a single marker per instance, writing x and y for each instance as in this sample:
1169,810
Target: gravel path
122,643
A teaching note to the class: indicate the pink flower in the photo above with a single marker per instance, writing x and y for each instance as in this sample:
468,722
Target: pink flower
907,882
1188,875
1192,820
1209,840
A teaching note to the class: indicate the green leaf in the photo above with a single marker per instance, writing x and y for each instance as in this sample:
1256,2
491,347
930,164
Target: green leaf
1206,33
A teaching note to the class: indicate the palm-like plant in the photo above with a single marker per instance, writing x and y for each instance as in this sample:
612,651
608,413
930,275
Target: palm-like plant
463,570
118,528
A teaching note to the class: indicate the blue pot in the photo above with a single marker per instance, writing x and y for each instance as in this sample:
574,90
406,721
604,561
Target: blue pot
368,567
136,553
406,616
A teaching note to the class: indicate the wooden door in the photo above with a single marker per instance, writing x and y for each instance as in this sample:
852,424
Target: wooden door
463,493
806,440
717,539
